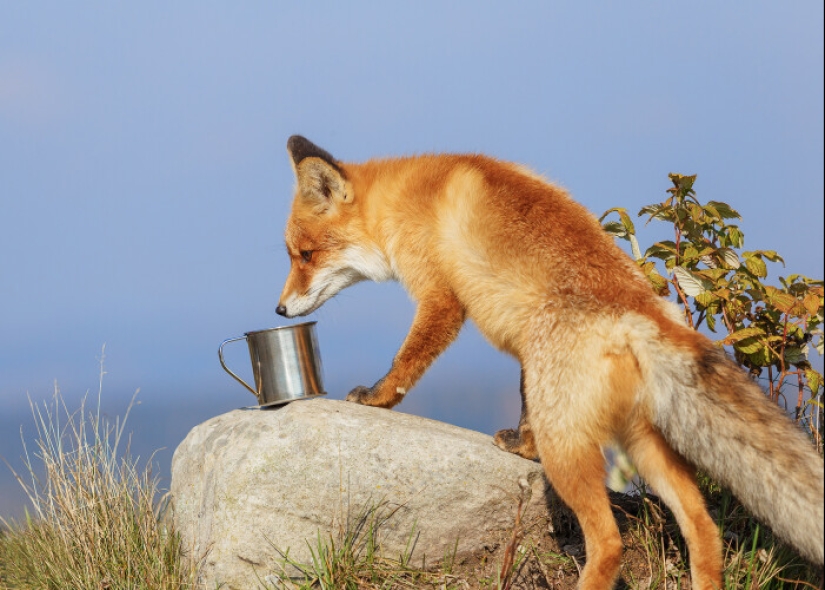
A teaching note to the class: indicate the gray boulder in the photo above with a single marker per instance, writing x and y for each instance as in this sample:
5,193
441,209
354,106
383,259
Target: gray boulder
250,481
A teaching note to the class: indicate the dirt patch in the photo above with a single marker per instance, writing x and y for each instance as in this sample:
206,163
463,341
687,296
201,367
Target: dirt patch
550,553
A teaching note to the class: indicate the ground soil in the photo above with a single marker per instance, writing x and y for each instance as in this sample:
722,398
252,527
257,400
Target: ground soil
550,552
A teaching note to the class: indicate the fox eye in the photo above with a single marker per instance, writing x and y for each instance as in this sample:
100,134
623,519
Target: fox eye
306,255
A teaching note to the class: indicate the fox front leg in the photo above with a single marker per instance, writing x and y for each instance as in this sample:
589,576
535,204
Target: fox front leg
519,441
437,322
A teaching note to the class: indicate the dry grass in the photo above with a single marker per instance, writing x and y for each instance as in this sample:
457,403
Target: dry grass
93,522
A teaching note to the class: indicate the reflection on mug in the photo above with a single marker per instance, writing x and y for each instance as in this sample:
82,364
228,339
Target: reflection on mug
286,363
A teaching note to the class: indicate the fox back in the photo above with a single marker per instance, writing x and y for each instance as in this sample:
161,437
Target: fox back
604,359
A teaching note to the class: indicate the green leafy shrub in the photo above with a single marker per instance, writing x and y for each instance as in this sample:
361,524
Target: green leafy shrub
769,329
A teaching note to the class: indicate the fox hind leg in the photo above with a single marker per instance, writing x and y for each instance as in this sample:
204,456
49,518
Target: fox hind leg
578,477
569,443
520,441
674,481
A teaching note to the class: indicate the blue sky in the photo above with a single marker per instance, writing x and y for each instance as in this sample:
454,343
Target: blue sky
144,183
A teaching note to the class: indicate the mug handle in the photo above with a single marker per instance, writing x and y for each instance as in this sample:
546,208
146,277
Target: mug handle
228,370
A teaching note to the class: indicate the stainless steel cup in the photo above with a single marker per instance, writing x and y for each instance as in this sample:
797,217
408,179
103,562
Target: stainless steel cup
286,363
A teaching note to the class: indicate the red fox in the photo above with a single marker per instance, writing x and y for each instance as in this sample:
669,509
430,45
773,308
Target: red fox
603,357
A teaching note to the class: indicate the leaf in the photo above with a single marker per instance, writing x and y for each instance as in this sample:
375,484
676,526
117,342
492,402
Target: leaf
812,303
634,246
707,251
712,211
706,298
772,256
814,379
712,274
661,250
628,224
730,258
615,229
750,346
761,357
696,212
624,230
743,333
690,283
682,184
724,210
735,237
690,253
647,210
795,333
795,355
662,212
667,246
784,302
800,289
626,221
756,265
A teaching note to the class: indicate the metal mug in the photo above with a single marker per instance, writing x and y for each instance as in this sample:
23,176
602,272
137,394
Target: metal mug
286,363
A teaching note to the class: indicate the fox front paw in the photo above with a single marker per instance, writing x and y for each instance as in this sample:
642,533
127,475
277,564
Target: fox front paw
378,395
516,442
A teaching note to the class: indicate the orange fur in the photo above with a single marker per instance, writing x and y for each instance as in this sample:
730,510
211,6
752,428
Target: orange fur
603,358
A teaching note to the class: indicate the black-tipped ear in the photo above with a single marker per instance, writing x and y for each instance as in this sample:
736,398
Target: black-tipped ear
300,148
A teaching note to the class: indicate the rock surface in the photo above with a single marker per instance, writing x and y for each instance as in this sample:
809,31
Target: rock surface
250,481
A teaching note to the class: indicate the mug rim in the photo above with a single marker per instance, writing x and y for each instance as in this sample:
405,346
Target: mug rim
277,328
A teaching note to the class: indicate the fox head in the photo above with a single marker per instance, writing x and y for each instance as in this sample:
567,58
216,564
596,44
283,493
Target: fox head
328,246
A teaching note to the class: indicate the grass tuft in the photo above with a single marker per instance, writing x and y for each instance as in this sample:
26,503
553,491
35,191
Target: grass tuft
94,519
353,560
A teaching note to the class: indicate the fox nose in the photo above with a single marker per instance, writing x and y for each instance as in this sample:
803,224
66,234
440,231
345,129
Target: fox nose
281,310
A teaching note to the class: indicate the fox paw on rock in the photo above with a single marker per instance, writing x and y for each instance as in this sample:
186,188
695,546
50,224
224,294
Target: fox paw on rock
361,395
507,440
373,396
512,441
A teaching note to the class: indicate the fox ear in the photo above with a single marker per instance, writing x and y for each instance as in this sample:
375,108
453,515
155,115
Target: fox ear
321,181
321,185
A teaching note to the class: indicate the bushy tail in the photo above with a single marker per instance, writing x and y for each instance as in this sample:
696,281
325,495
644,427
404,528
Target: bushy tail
722,422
